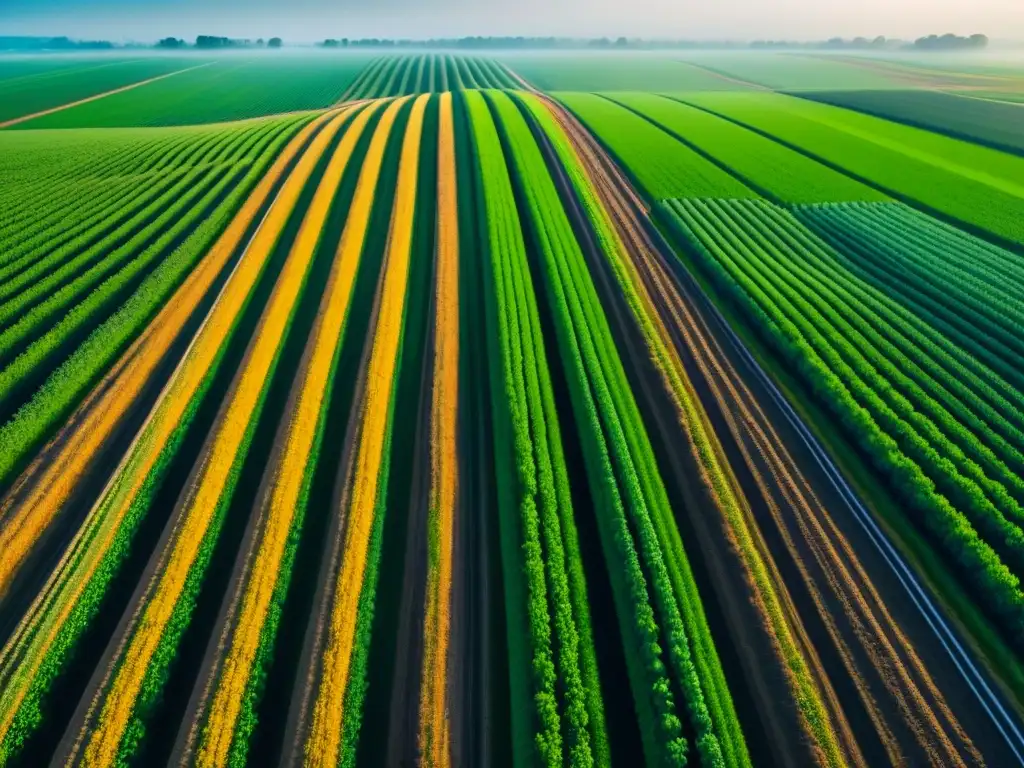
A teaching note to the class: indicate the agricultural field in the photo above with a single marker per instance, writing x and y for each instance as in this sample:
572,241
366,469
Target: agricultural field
235,88
26,90
972,119
431,73
793,71
518,410
621,72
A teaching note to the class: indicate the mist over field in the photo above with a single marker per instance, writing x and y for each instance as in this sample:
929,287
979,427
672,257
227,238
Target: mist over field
310,20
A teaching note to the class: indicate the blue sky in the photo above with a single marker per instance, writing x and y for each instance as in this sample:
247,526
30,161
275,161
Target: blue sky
309,20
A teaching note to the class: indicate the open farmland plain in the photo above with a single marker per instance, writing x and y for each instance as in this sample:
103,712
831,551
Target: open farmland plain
566,410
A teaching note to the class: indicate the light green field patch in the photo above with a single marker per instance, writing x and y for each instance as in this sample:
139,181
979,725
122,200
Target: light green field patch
972,184
232,89
766,165
623,71
34,89
663,166
789,71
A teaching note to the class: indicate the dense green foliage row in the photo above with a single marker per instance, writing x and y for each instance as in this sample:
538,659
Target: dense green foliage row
661,616
68,340
57,280
939,425
966,182
765,165
231,89
985,122
48,87
551,650
931,268
662,166
428,73
44,178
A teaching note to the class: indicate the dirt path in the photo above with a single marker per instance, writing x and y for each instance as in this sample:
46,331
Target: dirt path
865,642
404,713
963,95
98,96
523,82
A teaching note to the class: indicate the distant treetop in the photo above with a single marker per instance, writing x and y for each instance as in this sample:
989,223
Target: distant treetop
950,42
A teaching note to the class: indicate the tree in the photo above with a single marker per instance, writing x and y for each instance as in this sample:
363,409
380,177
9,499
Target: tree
950,42
171,43
211,41
274,42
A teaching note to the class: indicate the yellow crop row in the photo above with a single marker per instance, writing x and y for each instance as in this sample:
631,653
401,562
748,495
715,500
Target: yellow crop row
38,494
324,739
279,504
27,648
434,735
117,702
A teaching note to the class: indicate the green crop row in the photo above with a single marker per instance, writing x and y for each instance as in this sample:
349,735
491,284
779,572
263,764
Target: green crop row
28,197
82,303
535,504
33,422
622,470
969,183
763,164
67,272
398,75
123,188
75,163
877,263
903,370
662,166
983,282
67,217
888,389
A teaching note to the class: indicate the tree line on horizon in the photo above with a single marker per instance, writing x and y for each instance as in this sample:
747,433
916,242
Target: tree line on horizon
938,43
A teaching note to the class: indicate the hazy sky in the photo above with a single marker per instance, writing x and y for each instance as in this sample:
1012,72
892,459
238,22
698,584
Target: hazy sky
308,20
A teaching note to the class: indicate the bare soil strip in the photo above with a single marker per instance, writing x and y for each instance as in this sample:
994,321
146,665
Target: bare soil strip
98,96
475,678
